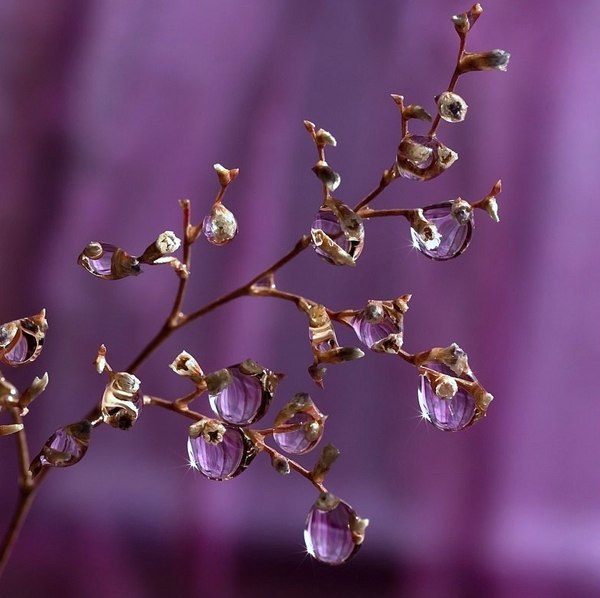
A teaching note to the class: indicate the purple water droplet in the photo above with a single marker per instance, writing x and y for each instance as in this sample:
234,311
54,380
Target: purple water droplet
455,237
328,222
242,401
423,158
328,536
301,440
371,329
449,415
223,460
21,341
66,446
109,262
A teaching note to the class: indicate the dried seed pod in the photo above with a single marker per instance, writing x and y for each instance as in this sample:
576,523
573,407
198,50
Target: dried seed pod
327,175
166,243
483,61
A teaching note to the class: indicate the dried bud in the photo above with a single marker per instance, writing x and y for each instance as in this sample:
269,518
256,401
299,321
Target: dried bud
483,61
8,393
122,400
327,175
339,355
226,175
101,363
463,22
220,225
108,262
461,211
452,107
445,387
165,244
328,456
212,431
358,527
280,464
310,127
185,365
323,137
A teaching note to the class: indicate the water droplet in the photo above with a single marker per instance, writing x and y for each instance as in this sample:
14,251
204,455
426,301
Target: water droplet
373,325
244,397
454,227
448,415
423,158
67,445
221,460
220,225
327,533
304,438
21,341
107,261
340,247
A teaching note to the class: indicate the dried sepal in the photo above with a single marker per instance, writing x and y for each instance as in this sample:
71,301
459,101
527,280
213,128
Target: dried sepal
226,175
327,175
21,341
122,400
100,362
35,389
186,365
8,429
496,60
108,262
323,137
329,454
311,128
489,202
414,111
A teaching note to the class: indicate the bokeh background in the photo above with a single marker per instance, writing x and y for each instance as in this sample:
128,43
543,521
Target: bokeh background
111,111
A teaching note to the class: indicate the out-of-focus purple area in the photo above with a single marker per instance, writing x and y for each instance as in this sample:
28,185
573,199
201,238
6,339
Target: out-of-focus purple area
112,111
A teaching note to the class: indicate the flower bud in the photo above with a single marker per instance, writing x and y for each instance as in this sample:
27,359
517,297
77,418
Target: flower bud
226,175
323,137
165,244
483,61
185,365
327,175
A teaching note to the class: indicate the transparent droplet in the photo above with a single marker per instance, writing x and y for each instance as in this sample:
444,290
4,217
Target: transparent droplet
67,445
327,534
221,460
21,341
451,107
423,158
454,228
244,399
109,262
304,438
220,225
122,401
351,246
449,415
373,325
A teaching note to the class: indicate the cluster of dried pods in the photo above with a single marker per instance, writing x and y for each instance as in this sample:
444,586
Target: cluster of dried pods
223,446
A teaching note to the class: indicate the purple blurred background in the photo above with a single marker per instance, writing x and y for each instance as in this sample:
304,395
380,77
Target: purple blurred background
112,111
